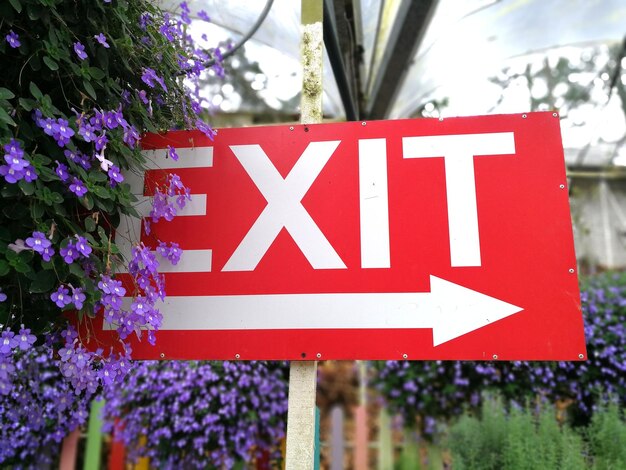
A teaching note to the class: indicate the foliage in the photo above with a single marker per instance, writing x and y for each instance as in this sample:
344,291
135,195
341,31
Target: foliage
39,412
200,414
607,437
525,438
81,82
441,390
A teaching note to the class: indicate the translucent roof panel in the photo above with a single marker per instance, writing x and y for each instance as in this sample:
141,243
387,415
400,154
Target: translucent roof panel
459,45
281,30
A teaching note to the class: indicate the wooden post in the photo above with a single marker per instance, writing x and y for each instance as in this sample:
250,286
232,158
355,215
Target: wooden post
303,375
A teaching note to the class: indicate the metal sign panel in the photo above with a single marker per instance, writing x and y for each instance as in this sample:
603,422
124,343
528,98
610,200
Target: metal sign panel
407,239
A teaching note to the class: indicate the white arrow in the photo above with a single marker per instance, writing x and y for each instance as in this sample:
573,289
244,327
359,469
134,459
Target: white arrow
449,309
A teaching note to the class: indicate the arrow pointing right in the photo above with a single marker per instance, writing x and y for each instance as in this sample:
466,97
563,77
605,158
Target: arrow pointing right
449,309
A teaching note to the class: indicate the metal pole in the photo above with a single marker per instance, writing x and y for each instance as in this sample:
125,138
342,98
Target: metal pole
300,453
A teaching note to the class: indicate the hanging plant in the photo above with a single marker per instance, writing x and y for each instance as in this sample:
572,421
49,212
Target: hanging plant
81,82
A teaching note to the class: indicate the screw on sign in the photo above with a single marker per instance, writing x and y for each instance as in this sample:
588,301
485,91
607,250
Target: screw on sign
425,239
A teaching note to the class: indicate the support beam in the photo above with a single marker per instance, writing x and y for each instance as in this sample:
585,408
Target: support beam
341,70
301,448
406,35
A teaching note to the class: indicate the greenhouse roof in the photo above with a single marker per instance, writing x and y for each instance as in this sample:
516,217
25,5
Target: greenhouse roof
451,40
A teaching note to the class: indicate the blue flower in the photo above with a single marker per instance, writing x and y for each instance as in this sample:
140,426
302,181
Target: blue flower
80,50
13,39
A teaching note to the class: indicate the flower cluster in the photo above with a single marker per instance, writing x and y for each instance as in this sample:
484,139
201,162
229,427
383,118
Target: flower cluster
443,389
17,167
75,97
39,408
199,414
167,199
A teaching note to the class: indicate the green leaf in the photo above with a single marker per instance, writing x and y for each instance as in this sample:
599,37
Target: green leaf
87,201
4,116
97,176
44,282
37,210
101,192
96,73
27,188
52,65
17,5
54,40
89,89
60,209
56,198
35,91
6,94
27,104
90,224
77,271
4,268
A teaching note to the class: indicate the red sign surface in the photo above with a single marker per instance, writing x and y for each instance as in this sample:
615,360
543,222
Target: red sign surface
415,239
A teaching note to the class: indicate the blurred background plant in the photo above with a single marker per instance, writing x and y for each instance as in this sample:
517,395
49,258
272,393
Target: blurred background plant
425,393
200,414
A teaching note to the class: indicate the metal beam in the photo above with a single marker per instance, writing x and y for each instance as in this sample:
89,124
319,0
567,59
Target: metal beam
408,31
341,72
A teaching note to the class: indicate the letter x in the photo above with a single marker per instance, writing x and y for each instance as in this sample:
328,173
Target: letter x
284,208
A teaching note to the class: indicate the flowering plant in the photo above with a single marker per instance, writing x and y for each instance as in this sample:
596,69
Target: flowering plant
81,82
199,414
40,411
441,390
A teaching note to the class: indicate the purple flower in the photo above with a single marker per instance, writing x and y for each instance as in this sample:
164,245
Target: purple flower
148,76
83,246
80,50
78,297
203,15
62,171
29,173
7,341
11,175
38,242
62,132
61,297
3,296
14,147
25,340
171,152
131,136
115,176
13,39
205,129
47,253
171,252
101,141
101,38
78,187
111,286
143,96
70,253
87,132
184,16
15,162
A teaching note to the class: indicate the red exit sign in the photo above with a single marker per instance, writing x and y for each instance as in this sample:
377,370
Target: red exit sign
417,239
